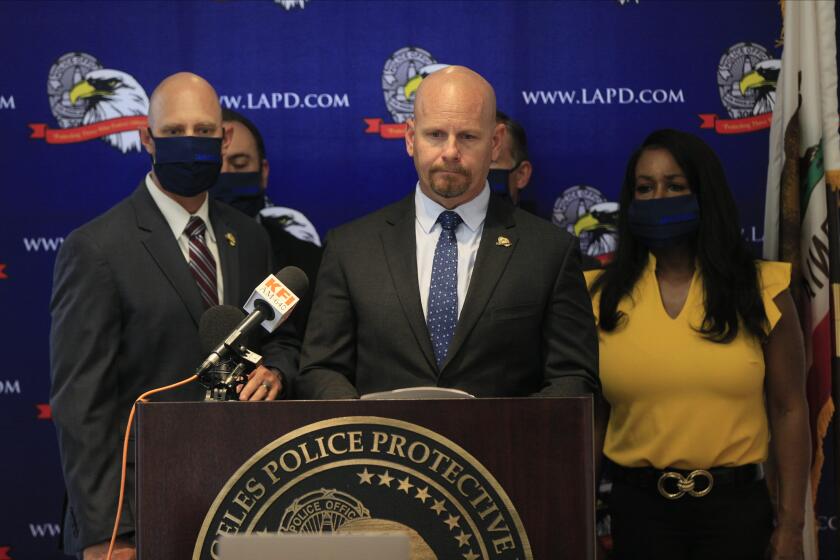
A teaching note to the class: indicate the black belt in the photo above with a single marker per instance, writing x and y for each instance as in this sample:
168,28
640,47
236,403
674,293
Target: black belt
675,483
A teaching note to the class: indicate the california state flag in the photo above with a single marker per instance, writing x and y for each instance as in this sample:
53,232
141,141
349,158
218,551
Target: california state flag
804,158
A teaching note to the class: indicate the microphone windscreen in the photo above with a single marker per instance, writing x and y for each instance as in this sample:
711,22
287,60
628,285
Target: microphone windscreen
216,324
295,279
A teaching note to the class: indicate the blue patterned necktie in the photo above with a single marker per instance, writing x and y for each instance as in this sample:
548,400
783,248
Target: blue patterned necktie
443,290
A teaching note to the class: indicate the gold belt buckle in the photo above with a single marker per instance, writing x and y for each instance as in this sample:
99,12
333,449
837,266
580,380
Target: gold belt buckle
685,484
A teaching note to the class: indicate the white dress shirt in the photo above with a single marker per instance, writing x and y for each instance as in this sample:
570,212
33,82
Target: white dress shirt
468,235
178,218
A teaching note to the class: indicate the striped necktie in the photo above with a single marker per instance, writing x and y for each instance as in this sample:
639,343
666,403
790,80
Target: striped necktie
202,263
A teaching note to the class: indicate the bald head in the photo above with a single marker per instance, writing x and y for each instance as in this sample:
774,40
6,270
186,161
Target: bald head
453,136
183,105
456,87
180,92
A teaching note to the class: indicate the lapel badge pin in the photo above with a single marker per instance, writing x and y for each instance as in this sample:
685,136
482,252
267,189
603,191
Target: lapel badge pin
502,241
231,239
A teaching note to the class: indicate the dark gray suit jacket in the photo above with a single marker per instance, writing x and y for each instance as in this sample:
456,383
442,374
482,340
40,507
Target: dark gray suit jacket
125,311
526,325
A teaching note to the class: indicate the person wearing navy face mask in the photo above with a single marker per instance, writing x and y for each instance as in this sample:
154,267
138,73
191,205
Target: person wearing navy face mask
243,184
702,359
245,169
129,290
511,171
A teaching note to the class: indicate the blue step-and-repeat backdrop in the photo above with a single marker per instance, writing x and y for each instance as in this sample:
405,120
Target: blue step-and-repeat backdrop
324,81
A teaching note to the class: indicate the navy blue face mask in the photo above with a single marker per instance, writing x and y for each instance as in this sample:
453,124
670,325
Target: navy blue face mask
187,165
498,179
663,222
240,190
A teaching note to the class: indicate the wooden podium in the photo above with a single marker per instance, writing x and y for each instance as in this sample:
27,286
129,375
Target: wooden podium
469,478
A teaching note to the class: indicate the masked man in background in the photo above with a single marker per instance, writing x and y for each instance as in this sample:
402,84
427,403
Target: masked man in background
511,171
243,184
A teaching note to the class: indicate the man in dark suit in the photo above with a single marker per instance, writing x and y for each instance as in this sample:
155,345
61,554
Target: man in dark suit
129,289
243,183
450,287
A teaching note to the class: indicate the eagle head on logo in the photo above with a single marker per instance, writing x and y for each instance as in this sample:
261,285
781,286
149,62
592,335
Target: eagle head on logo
598,230
110,94
762,80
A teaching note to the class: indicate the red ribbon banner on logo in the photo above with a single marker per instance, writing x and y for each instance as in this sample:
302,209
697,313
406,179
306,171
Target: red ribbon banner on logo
87,132
736,126
4,553
389,131
3,275
44,412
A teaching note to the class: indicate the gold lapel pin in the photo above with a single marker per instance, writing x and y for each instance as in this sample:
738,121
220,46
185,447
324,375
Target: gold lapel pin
231,239
503,241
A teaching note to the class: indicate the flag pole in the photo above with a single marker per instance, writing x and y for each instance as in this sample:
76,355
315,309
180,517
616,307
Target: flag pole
834,273
832,184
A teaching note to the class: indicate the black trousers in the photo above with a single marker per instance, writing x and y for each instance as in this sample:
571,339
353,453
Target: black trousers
730,523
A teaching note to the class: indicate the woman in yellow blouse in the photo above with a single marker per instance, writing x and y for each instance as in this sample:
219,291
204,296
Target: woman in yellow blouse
702,366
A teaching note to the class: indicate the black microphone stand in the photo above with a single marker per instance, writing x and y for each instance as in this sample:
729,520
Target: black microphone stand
222,379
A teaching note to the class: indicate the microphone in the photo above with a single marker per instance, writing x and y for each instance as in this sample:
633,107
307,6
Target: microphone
215,325
270,304
277,295
221,379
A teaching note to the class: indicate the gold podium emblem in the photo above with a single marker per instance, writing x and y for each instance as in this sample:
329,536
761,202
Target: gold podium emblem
370,474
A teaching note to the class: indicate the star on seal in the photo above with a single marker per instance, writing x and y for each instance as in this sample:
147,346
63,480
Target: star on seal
405,485
365,477
438,507
385,479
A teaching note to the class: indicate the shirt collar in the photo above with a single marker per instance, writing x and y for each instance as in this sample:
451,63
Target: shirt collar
175,214
472,212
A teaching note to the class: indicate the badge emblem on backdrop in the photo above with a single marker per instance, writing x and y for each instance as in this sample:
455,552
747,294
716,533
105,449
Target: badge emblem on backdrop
291,4
401,76
746,79
586,213
370,474
89,101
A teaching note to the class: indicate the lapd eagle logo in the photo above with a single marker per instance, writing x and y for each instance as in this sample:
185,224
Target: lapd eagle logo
401,77
111,94
746,79
584,211
83,93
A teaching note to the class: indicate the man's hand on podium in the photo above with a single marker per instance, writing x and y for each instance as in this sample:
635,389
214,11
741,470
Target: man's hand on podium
264,385
122,551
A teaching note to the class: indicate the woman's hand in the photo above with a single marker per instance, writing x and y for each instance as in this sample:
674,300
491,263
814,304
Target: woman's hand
786,543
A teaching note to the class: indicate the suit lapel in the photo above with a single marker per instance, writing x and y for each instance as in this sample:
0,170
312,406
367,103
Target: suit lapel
490,262
156,236
399,244
228,254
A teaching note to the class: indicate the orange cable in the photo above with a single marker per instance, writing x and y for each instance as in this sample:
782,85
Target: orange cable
141,398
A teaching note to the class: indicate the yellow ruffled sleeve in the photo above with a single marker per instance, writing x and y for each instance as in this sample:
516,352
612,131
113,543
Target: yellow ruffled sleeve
591,276
775,278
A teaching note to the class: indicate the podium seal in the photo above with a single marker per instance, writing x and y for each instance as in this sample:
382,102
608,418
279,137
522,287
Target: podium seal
370,474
